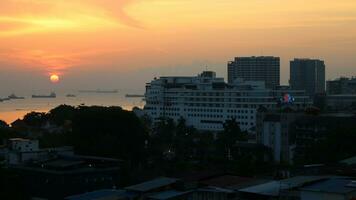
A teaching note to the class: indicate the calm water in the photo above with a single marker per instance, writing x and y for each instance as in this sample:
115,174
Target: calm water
14,109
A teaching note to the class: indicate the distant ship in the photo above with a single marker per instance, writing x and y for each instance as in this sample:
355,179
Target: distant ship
13,96
134,95
4,99
52,95
71,95
98,91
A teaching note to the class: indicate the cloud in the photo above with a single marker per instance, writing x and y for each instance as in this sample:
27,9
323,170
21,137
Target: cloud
18,17
53,62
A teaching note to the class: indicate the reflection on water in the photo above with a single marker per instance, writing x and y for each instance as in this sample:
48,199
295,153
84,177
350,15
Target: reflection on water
14,109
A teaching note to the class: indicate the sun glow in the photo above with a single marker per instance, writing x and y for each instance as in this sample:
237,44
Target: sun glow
54,78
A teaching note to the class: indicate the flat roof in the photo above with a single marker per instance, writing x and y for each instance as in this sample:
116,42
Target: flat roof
230,181
99,194
168,194
153,184
334,185
273,188
349,161
62,163
215,190
20,139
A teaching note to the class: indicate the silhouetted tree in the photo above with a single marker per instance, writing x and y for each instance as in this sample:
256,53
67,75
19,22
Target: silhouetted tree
35,119
3,124
109,131
229,137
61,114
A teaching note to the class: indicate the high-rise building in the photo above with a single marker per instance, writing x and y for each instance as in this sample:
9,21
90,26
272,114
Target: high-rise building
309,75
262,68
206,102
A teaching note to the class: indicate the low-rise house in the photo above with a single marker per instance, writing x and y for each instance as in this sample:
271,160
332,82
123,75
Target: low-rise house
21,151
55,173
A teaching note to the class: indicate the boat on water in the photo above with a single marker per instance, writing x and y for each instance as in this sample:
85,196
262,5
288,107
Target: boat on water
98,91
71,95
13,96
52,95
5,99
134,95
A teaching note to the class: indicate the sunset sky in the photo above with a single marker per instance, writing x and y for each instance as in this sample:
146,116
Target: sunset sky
125,43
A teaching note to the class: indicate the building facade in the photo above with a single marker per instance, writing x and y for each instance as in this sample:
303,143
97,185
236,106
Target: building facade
263,68
273,132
308,75
206,102
341,86
309,129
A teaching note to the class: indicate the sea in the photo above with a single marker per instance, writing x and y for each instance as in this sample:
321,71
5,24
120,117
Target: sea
16,108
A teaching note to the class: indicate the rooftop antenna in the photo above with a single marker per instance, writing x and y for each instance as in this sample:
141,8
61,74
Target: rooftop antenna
206,68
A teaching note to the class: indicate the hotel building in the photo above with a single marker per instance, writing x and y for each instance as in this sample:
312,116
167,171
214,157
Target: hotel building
206,101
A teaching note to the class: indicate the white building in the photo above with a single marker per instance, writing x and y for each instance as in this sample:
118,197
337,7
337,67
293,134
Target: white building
23,145
273,131
206,101
20,151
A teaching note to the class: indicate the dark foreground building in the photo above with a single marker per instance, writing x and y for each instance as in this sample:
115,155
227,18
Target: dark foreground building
64,176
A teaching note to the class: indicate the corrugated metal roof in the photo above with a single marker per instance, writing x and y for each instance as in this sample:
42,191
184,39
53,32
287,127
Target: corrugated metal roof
100,194
168,194
153,184
299,181
273,188
215,189
349,161
334,185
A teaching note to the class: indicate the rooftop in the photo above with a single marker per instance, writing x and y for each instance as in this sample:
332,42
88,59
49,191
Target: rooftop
168,194
100,194
273,188
334,185
153,184
19,140
349,161
215,190
232,182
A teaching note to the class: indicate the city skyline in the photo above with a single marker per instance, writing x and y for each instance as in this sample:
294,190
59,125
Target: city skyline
112,44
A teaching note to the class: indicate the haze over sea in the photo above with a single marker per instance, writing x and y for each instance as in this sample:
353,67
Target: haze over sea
17,108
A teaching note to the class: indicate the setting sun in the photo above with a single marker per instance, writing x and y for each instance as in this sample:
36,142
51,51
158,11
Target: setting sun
54,78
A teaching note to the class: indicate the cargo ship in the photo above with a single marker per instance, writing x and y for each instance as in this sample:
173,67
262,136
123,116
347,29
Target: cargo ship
71,95
13,96
52,95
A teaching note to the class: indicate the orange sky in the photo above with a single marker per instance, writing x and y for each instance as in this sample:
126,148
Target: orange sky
80,39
